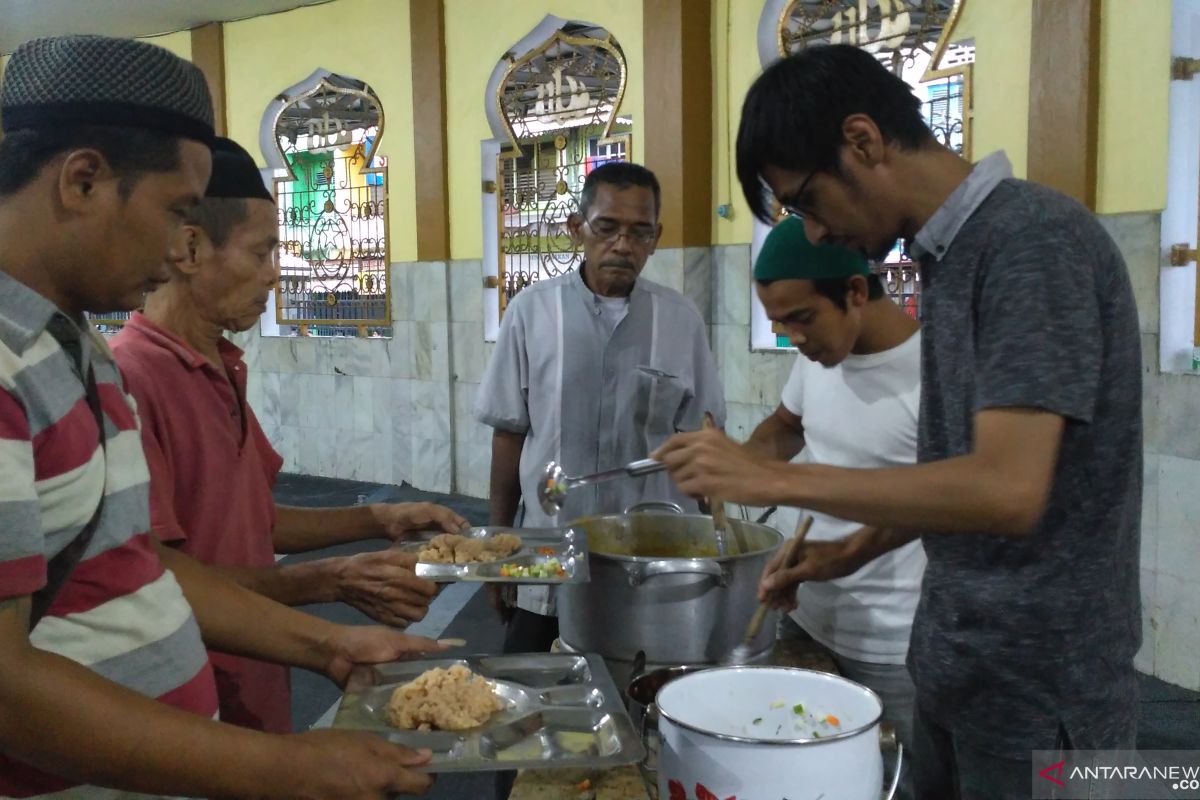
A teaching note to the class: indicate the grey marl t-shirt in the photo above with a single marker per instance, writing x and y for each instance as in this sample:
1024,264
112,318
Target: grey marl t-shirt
1027,303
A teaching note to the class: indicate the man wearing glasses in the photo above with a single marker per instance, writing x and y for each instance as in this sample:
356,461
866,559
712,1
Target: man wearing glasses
592,369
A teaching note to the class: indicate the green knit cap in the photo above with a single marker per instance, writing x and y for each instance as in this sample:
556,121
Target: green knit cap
787,254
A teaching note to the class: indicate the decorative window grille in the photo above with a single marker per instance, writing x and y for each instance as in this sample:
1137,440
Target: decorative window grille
333,213
559,103
910,37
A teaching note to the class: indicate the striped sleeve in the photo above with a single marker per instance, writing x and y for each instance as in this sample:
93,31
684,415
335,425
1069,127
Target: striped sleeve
22,558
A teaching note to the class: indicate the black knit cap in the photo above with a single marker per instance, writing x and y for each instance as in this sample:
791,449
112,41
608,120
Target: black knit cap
98,80
234,173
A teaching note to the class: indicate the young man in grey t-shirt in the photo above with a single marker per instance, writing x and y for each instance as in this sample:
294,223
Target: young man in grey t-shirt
1027,494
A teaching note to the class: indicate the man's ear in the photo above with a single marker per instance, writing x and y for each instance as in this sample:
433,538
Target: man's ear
574,227
79,177
196,246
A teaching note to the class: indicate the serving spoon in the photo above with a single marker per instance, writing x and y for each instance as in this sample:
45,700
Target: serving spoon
555,482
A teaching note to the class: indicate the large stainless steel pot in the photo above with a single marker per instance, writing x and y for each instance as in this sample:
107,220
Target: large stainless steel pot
658,586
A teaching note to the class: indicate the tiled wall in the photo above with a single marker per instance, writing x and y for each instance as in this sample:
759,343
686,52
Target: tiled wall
400,410
1171,502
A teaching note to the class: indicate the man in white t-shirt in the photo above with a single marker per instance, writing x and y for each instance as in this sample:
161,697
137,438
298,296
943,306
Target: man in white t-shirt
851,401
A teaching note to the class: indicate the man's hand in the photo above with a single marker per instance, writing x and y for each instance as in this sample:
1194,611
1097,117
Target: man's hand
814,561
400,519
350,646
354,765
384,586
708,463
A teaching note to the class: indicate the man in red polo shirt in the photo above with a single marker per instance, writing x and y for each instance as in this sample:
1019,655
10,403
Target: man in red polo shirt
211,467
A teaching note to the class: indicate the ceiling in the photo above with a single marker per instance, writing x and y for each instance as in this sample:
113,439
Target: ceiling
27,19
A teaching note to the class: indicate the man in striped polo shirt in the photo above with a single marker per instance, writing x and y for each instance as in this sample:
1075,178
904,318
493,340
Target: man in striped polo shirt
104,679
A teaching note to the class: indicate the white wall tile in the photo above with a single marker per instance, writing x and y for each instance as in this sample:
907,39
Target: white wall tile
431,410
743,418
431,464
421,351
381,406
466,343
308,452
316,400
304,353
1178,416
328,443
731,279
381,450
1178,546
401,289
429,292
400,411
398,348
269,408
466,291
402,450
364,405
1138,236
1177,639
731,348
290,393
355,456
665,266
698,280
342,411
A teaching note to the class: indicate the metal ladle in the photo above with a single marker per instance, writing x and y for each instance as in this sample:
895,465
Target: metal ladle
555,483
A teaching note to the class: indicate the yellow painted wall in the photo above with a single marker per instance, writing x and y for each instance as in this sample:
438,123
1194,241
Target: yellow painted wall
1002,32
363,39
477,35
1135,58
179,43
734,69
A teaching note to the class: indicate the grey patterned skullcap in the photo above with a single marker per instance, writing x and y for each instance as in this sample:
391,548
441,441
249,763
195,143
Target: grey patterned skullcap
98,80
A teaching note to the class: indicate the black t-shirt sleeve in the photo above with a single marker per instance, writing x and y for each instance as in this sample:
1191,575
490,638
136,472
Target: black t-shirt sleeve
1038,337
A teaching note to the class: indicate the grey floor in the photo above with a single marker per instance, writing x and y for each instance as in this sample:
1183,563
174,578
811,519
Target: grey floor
1170,716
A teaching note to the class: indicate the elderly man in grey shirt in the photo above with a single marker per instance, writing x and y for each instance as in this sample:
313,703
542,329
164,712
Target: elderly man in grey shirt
593,369
1027,491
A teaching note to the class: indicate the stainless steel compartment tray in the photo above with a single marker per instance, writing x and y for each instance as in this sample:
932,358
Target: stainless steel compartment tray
562,710
568,545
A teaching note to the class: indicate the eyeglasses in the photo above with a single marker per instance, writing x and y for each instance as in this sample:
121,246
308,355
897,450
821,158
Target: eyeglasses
790,208
609,232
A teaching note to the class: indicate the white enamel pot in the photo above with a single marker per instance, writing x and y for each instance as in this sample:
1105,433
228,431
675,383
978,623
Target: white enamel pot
761,733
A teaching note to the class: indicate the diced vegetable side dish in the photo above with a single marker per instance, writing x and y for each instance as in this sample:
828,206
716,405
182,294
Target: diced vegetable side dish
796,722
550,568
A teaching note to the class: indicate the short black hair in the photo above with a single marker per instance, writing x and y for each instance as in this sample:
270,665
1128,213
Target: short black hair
131,152
218,216
835,289
792,116
622,175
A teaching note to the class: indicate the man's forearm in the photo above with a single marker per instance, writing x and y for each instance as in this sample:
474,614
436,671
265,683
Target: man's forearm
235,620
958,495
55,711
293,584
298,529
505,489
774,438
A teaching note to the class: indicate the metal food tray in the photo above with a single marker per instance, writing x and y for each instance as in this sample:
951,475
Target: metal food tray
569,546
562,710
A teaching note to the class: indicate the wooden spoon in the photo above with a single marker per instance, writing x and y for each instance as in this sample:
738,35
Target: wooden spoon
720,522
741,653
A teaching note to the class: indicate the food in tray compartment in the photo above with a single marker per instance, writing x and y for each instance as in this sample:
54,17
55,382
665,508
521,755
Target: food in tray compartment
451,548
452,699
550,568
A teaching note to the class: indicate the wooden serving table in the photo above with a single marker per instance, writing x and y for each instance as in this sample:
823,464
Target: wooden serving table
625,783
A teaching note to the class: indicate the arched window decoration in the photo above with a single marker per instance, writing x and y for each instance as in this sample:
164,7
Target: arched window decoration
333,211
913,39
559,104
